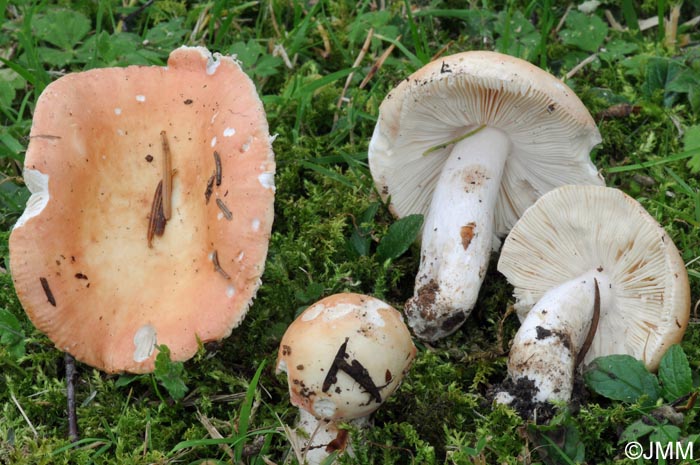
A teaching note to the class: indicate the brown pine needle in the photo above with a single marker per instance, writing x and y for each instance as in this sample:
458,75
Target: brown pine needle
167,177
378,64
358,60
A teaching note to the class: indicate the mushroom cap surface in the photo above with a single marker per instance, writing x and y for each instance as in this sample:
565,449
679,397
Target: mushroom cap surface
576,229
364,332
80,258
551,131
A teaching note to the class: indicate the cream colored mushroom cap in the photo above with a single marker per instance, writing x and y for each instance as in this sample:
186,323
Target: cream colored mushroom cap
370,333
80,259
551,131
575,229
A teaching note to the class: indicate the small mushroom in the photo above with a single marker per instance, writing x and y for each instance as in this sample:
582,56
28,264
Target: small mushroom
470,141
581,251
96,262
344,356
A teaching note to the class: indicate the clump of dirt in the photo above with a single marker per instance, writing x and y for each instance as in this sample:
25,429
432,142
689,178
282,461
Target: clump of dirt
426,298
523,391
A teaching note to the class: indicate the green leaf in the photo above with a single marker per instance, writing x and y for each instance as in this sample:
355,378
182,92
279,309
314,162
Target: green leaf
169,373
674,374
616,50
665,434
62,28
361,239
517,35
660,72
559,442
635,431
399,237
622,377
583,31
11,334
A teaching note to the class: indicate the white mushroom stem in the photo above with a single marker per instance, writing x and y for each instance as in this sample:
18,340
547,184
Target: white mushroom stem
458,234
323,437
546,348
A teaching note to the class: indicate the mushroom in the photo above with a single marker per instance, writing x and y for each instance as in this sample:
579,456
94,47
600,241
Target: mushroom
344,356
96,262
594,275
470,141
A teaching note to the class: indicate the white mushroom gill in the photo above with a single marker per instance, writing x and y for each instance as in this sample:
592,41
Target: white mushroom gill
38,184
458,234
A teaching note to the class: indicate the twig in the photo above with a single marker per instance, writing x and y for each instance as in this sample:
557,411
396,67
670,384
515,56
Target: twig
378,64
442,50
70,395
24,415
125,19
581,65
348,80
167,176
672,27
592,329
326,41
614,24
279,51
273,20
562,20
214,433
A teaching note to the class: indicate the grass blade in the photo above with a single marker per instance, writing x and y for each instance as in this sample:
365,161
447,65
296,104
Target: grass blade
648,164
246,408
326,172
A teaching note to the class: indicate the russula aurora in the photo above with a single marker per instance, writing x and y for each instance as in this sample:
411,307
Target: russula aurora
470,141
343,357
96,262
582,247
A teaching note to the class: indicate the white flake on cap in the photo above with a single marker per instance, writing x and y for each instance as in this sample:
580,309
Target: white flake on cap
38,184
267,180
145,341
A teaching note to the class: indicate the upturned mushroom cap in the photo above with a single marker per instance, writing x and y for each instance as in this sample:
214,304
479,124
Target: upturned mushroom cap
80,258
577,229
550,129
363,332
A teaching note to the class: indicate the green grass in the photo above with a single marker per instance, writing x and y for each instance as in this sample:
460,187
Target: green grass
329,222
